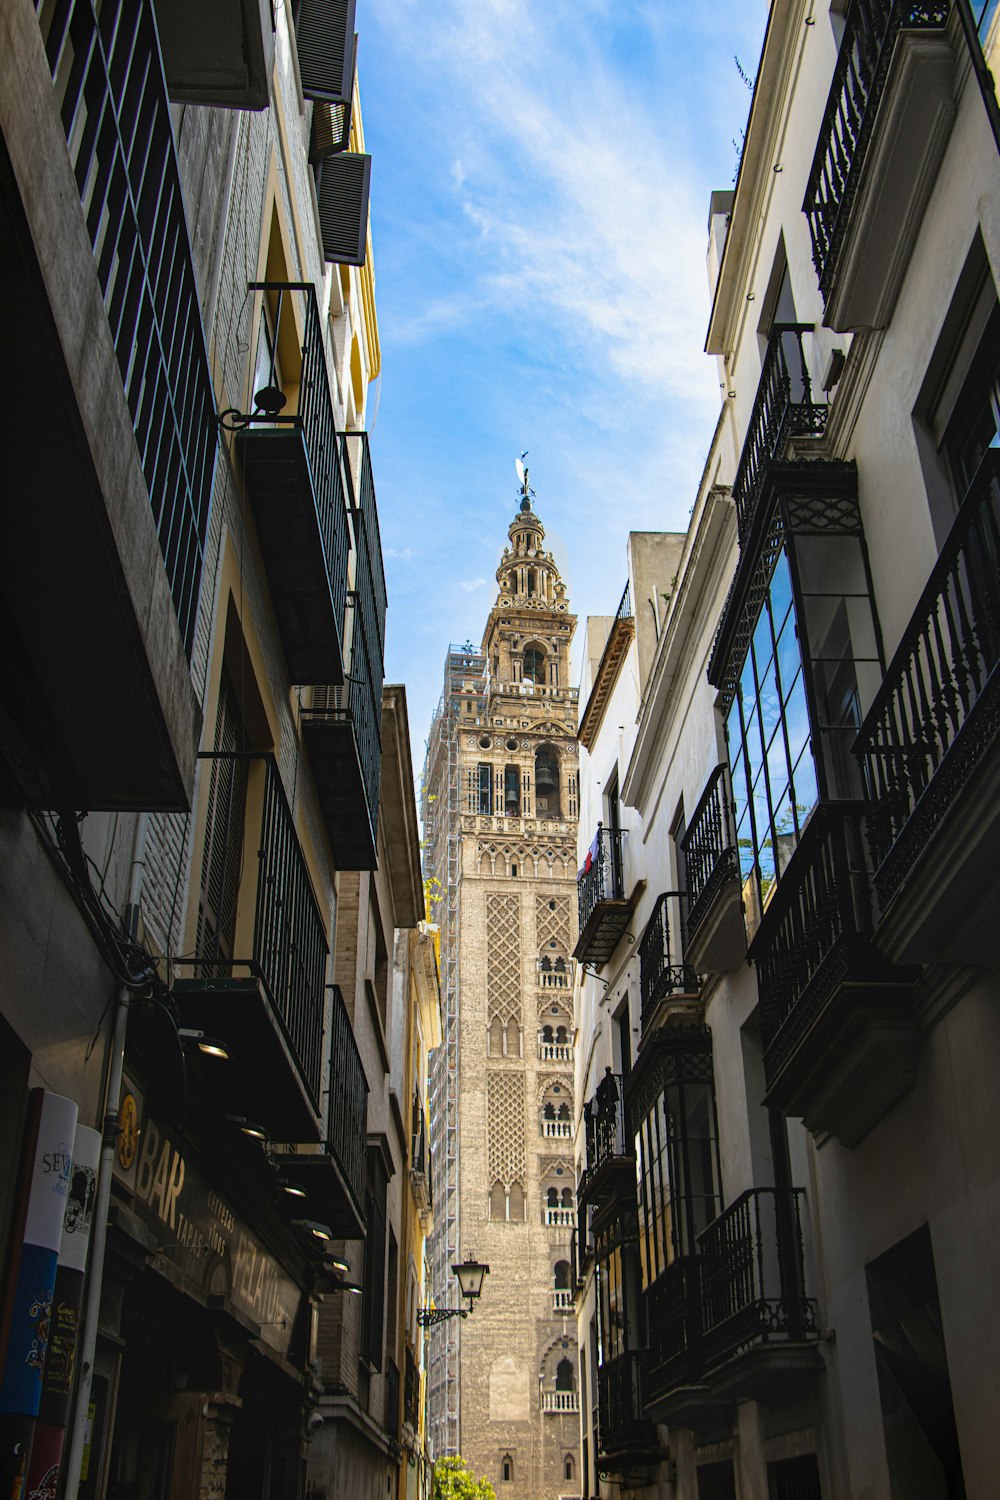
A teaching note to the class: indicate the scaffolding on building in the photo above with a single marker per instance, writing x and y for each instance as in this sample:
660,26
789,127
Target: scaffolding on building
463,701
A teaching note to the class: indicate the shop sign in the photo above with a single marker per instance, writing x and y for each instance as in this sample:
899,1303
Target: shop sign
200,1233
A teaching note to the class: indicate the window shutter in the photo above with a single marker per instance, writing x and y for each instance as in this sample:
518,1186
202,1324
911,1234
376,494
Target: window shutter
331,129
324,39
342,187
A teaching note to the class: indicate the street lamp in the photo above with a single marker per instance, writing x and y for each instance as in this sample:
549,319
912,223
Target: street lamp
471,1273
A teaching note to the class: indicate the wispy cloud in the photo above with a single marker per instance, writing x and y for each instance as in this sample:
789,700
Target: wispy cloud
470,585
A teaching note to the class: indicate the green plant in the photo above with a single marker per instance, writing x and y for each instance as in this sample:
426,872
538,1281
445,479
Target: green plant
454,1480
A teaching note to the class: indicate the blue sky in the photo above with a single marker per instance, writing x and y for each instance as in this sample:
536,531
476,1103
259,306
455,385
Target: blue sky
540,184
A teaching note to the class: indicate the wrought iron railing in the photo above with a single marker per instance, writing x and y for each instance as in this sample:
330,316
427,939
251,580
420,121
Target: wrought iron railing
752,1277
106,70
603,875
820,913
870,32
709,846
621,1424
673,1322
289,940
933,719
662,973
783,408
392,1402
624,611
411,1389
369,578
347,1121
606,1127
311,413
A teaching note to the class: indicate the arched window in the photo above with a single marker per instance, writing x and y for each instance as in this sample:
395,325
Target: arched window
516,1208
567,1197
561,1038
507,1469
565,1376
563,1112
568,1466
552,1197
532,581
513,1039
549,1111
547,1035
562,1275
496,1037
533,662
546,782
511,791
498,1201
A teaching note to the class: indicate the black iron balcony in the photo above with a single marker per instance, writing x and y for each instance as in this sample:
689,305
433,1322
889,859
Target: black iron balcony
753,1301
420,1166
334,1177
628,1441
839,1034
294,478
884,130
610,1164
927,744
342,728
784,408
716,936
267,1005
411,1389
675,1361
391,1410
666,983
103,579
604,909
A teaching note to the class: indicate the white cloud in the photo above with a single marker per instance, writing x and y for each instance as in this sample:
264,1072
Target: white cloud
400,554
470,585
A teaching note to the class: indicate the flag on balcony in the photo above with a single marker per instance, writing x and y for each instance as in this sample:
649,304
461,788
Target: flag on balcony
591,854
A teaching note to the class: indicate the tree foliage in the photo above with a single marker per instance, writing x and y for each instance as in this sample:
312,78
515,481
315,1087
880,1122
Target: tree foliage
454,1480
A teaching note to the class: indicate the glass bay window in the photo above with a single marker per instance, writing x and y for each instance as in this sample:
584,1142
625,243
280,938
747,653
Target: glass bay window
799,660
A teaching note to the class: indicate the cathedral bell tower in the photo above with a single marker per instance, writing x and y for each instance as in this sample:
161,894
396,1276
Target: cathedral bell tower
501,802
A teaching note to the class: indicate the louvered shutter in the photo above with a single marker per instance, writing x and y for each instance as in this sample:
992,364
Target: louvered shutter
342,187
324,38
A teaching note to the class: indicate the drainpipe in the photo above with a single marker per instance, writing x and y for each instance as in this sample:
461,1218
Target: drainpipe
95,1276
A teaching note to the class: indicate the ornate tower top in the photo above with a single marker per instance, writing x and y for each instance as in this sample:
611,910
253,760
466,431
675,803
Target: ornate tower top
527,575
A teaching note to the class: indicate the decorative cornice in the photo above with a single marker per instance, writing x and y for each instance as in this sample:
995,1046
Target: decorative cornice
612,658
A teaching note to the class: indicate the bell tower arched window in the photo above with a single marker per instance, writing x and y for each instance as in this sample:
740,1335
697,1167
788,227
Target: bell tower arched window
534,660
547,782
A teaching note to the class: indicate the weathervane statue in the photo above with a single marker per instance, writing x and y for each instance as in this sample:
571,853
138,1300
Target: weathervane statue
522,474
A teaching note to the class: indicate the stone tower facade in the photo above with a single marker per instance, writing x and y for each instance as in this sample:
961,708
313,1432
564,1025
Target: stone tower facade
501,797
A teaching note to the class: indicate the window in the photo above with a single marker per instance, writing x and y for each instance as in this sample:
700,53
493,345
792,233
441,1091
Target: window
561,1275
678,1155
515,1203
513,1039
498,1201
568,1467
565,1376
785,751
507,1469
533,661
485,790
495,1037
373,1304
511,791
974,426
222,857
612,1319
547,782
